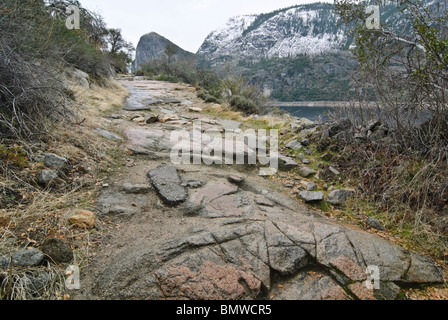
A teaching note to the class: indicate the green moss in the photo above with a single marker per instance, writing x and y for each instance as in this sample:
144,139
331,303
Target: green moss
13,156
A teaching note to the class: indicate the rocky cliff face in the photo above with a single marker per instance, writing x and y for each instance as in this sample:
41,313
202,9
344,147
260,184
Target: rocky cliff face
152,46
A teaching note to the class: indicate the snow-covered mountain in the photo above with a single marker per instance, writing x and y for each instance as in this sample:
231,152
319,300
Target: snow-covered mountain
296,53
304,29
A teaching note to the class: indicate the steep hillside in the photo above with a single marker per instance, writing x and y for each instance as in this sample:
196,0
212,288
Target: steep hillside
152,46
294,54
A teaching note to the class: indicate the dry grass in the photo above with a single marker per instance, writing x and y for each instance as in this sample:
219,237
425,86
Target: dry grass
224,111
38,214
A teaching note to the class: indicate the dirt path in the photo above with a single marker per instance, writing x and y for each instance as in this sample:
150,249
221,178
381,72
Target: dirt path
222,231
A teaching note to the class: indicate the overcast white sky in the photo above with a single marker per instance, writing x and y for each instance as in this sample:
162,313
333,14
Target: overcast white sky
185,22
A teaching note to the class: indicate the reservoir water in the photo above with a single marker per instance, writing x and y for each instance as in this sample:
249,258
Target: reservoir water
311,113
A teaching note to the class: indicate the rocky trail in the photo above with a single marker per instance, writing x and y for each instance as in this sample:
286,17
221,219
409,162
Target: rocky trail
223,231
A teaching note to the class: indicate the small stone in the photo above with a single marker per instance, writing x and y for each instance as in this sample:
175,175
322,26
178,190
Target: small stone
335,171
306,142
83,219
136,188
46,177
135,116
235,179
286,163
168,117
151,118
375,223
312,196
195,109
192,184
306,161
339,197
307,172
55,162
139,120
294,145
311,186
326,157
